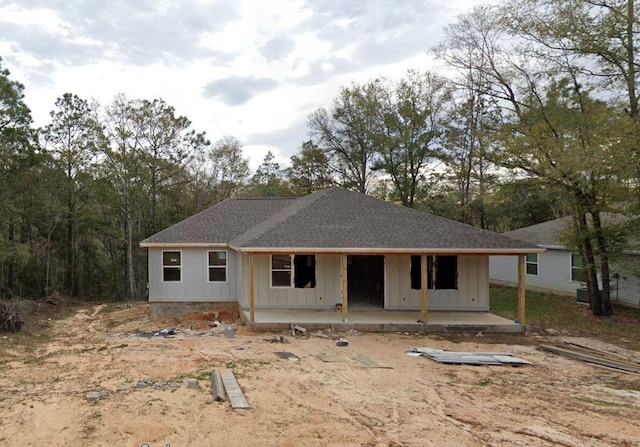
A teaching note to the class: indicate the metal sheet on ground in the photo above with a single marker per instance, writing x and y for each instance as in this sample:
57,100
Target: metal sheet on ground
470,358
371,363
234,392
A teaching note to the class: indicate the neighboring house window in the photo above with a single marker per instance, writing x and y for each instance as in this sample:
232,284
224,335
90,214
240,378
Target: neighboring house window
281,270
532,264
445,272
304,267
218,266
171,266
577,272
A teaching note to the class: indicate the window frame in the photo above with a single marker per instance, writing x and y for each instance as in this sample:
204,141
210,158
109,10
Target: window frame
576,271
291,269
218,267
177,267
528,263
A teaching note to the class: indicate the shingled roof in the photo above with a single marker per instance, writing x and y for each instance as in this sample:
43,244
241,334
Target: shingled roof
545,234
332,219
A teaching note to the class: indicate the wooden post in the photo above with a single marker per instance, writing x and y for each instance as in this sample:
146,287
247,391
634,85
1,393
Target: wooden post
424,285
522,316
252,298
345,290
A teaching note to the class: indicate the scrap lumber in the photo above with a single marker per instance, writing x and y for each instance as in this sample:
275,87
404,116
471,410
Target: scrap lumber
371,363
606,354
234,392
333,358
593,357
217,387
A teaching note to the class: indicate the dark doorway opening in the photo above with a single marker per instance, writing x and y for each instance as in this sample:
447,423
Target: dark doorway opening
365,281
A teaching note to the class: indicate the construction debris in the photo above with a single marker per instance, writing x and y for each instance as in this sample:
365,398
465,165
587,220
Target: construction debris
595,356
468,358
234,392
371,363
217,387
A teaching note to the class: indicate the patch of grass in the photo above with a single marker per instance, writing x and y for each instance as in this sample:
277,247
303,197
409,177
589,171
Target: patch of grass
484,382
565,315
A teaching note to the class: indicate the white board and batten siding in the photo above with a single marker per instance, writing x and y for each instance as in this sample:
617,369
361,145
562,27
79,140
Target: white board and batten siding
472,293
194,284
325,295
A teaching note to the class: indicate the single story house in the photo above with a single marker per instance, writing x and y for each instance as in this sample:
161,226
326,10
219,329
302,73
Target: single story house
331,249
557,270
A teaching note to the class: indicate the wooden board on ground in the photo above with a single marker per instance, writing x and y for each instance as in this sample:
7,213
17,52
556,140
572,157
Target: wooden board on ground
371,363
217,388
333,358
234,392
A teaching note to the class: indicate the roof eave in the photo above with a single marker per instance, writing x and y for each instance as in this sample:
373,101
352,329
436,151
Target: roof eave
183,245
364,250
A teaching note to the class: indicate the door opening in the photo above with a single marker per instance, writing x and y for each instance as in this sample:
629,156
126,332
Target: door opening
365,281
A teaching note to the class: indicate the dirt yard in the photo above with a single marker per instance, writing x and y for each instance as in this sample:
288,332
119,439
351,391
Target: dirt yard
45,382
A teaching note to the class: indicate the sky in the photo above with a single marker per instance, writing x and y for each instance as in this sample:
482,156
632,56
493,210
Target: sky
251,69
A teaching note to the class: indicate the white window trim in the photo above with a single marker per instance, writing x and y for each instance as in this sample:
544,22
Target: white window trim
537,264
179,267
271,270
572,268
226,267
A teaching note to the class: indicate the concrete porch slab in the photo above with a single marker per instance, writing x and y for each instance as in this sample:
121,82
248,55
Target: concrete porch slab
382,321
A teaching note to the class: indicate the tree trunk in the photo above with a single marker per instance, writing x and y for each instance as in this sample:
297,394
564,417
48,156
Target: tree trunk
589,261
607,308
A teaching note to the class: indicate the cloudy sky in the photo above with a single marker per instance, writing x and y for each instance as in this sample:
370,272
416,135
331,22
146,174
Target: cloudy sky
252,69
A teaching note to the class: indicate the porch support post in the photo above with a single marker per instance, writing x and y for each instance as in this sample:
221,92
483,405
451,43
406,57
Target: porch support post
424,284
522,317
345,292
252,297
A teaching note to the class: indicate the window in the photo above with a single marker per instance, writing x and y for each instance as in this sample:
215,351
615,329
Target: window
171,266
531,264
416,274
446,272
218,266
281,270
304,267
297,271
577,272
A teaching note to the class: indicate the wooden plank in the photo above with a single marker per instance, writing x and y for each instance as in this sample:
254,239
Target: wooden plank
372,363
217,387
252,297
345,294
606,354
234,392
522,288
424,289
333,358
622,366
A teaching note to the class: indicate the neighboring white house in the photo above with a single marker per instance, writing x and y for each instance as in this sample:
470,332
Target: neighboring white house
557,270
285,253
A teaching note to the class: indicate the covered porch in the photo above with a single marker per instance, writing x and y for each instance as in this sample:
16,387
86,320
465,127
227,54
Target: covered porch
381,321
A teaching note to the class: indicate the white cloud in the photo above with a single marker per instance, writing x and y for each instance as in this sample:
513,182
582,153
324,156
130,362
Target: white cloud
250,69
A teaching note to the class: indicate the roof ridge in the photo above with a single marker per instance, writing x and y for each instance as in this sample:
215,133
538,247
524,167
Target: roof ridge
262,227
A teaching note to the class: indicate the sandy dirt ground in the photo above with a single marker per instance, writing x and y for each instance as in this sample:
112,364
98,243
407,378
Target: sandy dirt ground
306,402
